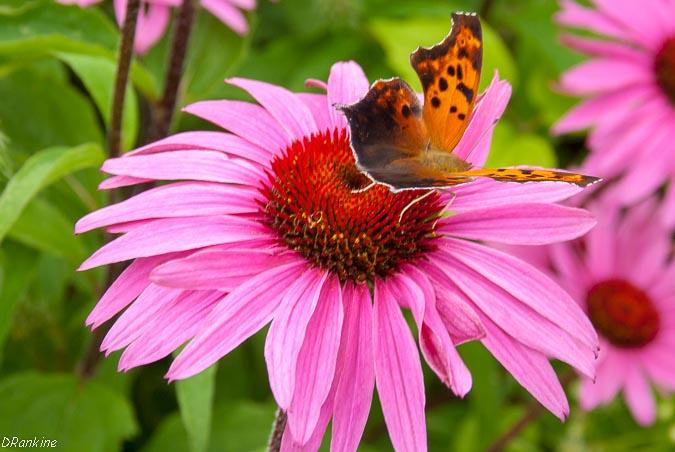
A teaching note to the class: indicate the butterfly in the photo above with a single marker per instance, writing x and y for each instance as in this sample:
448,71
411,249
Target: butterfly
403,144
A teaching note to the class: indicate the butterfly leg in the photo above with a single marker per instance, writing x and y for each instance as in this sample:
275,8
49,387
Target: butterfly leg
412,203
366,188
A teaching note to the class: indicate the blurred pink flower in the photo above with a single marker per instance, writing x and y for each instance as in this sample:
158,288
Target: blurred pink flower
622,273
155,16
630,85
268,227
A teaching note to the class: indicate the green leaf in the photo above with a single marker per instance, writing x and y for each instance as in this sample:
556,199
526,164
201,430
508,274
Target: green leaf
400,38
195,399
511,148
98,76
39,110
39,171
79,416
18,265
57,239
6,167
237,427
41,28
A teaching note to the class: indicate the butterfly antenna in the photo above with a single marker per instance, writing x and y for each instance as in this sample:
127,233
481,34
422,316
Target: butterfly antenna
412,203
366,188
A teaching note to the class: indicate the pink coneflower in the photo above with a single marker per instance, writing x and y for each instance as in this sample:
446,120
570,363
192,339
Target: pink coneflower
623,274
155,15
270,225
630,85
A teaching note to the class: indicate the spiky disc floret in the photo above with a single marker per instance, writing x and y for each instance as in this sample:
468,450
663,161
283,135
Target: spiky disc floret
314,205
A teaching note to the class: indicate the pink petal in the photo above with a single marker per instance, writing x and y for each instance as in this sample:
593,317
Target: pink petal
590,112
346,85
459,318
249,121
591,77
175,234
527,284
217,141
227,14
642,23
121,181
287,333
484,193
355,374
639,398
398,374
174,200
601,242
475,143
437,347
283,105
317,105
602,48
316,362
574,15
151,26
238,316
173,325
138,317
209,166
222,268
660,366
610,377
520,224
530,368
290,444
128,285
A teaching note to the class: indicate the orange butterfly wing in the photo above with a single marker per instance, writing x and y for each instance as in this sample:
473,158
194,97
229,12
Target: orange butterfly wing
450,74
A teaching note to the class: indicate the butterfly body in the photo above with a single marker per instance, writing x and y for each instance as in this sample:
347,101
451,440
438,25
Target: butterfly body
405,144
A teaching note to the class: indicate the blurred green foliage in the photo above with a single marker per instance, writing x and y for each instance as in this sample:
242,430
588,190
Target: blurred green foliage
57,65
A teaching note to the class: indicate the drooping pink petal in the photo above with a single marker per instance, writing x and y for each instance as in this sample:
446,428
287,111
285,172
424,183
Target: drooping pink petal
290,444
530,368
346,84
520,224
208,166
459,318
220,267
355,373
152,24
642,23
289,111
398,374
238,316
227,14
601,243
609,379
245,119
128,285
173,325
639,397
526,284
138,317
175,234
121,181
287,333
519,321
437,347
659,364
174,200
475,142
316,362
590,77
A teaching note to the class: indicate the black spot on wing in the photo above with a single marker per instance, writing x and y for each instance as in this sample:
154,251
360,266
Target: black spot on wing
468,92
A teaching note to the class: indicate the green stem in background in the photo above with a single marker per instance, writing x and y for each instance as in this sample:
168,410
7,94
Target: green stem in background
277,433
123,66
532,412
92,356
484,8
181,37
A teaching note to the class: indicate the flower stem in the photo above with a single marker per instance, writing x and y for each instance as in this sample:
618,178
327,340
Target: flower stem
123,66
180,40
92,356
532,412
277,434
485,7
